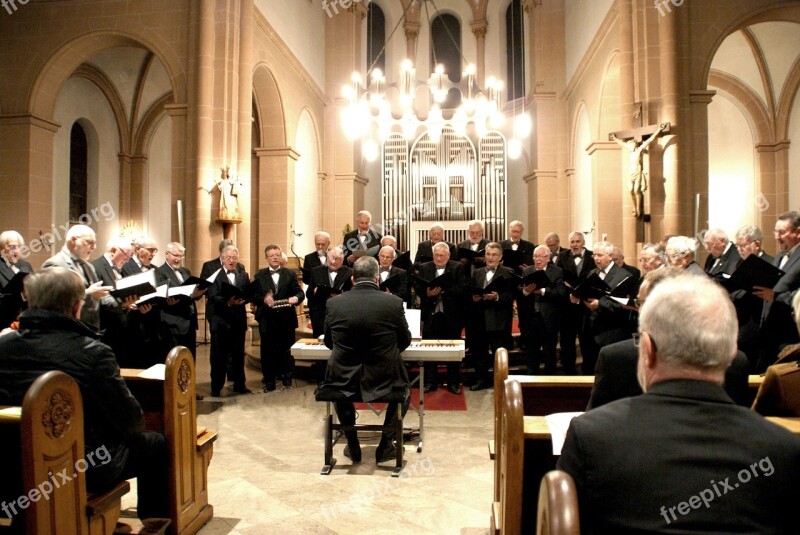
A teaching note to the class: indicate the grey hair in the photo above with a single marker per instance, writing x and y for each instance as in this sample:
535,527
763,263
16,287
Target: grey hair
604,246
702,335
751,232
683,245
365,268
9,235
54,288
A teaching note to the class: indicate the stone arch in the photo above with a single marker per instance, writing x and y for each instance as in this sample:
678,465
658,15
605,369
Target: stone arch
747,100
783,110
106,86
608,99
68,56
270,108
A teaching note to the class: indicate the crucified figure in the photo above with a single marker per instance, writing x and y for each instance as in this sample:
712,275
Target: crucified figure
637,177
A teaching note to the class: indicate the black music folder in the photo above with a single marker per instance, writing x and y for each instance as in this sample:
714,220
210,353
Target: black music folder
753,271
201,283
247,293
592,288
140,284
444,281
403,261
392,283
498,284
469,254
538,277
513,259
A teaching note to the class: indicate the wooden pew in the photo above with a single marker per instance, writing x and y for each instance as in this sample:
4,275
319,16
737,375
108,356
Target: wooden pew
507,509
170,408
49,430
558,512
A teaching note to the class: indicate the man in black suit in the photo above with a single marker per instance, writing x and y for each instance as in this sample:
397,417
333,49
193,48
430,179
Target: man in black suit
476,242
492,313
322,242
777,327
722,254
114,314
698,456
210,266
145,250
275,297
51,337
399,285
577,262
652,257
326,281
615,372
619,259
748,306
11,263
228,317
358,241
608,321
425,248
553,242
518,245
546,304
180,314
366,331
441,311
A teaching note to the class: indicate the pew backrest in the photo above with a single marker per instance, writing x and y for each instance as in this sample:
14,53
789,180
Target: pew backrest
557,512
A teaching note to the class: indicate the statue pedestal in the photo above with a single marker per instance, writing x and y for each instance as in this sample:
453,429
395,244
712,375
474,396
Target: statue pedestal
229,227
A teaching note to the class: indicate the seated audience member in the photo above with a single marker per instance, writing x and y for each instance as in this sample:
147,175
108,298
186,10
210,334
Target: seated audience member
615,373
366,330
50,337
680,252
779,394
682,458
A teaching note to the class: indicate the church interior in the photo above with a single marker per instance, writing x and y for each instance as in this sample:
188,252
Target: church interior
201,120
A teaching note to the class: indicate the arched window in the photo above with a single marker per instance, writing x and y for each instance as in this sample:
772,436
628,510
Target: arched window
515,50
376,37
78,172
446,49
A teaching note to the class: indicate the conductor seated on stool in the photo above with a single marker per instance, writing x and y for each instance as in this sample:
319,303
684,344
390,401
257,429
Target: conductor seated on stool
366,330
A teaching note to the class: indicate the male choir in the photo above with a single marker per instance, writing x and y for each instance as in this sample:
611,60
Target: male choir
471,289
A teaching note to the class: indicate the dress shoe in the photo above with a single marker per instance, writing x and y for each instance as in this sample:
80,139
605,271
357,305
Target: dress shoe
354,453
385,454
242,390
199,397
215,393
269,387
454,389
287,383
430,388
480,385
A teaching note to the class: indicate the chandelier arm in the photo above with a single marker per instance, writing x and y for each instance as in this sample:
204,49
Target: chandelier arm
449,34
433,43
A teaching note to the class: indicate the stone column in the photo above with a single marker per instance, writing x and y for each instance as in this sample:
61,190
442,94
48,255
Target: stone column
479,30
773,197
181,190
244,145
630,237
609,204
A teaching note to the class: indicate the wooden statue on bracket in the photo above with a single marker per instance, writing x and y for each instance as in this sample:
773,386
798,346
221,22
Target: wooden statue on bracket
229,189
637,141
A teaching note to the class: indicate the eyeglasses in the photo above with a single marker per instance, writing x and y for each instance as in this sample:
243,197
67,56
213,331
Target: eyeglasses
174,254
638,303
541,256
676,255
230,258
153,250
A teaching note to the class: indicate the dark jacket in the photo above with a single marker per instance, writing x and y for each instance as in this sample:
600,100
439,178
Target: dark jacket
366,330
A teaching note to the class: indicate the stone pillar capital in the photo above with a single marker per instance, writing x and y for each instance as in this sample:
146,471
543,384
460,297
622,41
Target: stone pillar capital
479,28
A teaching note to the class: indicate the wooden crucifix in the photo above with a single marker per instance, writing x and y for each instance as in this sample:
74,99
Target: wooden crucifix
636,141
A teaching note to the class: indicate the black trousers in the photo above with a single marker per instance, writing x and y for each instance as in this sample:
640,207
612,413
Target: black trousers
346,412
227,346
276,354
541,344
486,344
145,458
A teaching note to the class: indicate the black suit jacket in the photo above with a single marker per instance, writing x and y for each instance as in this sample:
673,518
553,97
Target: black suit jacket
610,322
550,305
316,303
311,260
351,242
366,330
453,301
210,266
279,318
729,260
615,376
778,326
180,318
113,319
634,459
6,273
220,314
496,315
11,305
567,263
403,291
525,247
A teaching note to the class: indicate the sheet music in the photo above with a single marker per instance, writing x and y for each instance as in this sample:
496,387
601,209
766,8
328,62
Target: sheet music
161,291
414,320
213,276
186,289
147,277
156,371
558,423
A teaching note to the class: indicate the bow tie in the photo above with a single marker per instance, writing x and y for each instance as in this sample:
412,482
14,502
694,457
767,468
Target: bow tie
273,271
385,270
490,270
229,271
577,256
